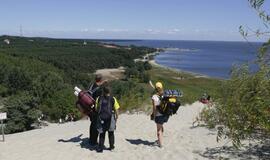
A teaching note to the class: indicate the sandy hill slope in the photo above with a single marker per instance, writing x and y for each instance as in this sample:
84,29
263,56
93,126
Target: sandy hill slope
135,136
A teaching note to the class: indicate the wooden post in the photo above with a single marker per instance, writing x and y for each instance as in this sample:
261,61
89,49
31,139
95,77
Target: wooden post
3,116
3,133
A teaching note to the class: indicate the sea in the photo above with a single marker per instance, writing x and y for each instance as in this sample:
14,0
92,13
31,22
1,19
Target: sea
210,58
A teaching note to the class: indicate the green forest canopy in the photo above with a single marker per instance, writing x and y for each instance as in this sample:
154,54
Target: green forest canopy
37,75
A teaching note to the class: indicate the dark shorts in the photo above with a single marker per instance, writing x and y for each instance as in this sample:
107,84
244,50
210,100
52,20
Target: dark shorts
161,119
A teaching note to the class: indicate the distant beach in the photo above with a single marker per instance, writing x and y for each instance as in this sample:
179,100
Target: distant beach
153,62
210,58
150,57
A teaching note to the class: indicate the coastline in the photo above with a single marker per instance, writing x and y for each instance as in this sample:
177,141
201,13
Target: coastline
196,75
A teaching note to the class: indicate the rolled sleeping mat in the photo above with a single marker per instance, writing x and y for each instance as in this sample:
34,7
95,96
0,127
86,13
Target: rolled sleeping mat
76,93
77,89
85,102
172,93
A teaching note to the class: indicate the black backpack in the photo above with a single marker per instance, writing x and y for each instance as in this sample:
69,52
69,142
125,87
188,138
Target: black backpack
105,109
168,108
95,91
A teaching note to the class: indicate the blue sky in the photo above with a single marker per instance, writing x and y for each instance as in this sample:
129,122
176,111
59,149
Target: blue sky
129,19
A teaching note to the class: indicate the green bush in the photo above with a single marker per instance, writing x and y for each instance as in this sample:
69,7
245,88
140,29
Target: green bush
60,104
130,94
244,106
22,111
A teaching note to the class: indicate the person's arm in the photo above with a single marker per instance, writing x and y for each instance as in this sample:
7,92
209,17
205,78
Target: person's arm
116,114
154,108
154,111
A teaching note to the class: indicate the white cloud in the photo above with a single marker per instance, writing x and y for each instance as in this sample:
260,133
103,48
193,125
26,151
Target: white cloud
153,31
173,31
100,30
119,30
85,30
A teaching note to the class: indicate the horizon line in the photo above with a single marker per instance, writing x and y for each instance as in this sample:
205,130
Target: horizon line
133,39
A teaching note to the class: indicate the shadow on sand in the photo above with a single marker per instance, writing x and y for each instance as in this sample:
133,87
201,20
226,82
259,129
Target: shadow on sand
246,153
139,141
84,142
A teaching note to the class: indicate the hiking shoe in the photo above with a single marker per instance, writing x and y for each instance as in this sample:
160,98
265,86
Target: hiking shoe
157,144
99,150
111,148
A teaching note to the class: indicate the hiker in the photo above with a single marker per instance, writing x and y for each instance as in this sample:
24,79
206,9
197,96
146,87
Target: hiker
159,118
206,99
95,90
107,109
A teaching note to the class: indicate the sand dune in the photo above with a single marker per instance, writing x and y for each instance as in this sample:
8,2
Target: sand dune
111,73
135,136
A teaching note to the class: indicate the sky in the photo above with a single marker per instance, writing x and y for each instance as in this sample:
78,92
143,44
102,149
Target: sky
129,19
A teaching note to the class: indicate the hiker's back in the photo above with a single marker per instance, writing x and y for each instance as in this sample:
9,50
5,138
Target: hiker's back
169,102
105,107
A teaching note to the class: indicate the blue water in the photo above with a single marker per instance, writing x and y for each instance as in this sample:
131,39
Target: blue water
211,58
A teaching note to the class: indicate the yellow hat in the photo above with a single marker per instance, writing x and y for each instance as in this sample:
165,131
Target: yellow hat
159,85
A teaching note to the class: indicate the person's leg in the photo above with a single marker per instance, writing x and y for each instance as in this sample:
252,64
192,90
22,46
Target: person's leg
159,134
90,130
111,139
94,132
101,142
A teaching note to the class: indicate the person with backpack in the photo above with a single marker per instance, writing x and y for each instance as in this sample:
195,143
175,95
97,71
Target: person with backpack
95,90
107,115
156,115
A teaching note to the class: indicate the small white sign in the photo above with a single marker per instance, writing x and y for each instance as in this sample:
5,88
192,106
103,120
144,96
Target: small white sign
3,116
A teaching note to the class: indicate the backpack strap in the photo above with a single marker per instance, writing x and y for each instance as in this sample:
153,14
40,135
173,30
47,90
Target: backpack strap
100,103
94,90
91,86
91,90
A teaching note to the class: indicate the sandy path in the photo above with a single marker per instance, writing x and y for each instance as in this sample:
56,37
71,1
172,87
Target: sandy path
134,138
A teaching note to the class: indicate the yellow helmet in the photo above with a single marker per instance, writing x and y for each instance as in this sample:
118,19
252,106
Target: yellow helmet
159,85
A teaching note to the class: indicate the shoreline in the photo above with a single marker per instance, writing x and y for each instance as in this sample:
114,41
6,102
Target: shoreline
196,75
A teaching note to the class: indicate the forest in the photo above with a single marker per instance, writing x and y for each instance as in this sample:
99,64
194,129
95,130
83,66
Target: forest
37,76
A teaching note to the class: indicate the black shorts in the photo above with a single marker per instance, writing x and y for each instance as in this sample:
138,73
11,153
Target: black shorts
161,119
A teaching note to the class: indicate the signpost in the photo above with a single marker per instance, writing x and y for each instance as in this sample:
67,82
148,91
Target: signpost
3,116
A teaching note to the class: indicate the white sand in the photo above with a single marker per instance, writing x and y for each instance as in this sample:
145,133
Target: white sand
196,75
134,137
111,73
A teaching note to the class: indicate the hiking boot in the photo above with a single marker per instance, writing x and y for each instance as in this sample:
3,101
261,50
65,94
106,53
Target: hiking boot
156,143
111,148
99,150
